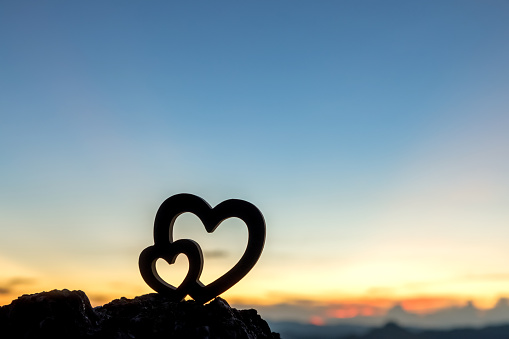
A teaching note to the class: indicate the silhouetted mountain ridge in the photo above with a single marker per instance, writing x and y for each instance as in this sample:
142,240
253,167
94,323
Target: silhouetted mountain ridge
393,331
294,330
467,315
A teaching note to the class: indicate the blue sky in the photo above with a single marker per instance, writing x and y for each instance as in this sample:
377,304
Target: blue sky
372,135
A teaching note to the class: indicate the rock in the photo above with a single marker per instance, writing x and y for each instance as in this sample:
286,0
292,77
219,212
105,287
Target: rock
57,314
68,314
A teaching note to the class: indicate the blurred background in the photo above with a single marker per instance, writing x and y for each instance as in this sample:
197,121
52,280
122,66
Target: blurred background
372,135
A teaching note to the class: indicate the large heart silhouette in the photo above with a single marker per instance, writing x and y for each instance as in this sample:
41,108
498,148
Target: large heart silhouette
164,247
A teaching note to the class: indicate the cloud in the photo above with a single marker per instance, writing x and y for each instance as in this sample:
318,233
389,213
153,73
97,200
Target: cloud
455,280
491,276
381,290
215,254
8,286
21,281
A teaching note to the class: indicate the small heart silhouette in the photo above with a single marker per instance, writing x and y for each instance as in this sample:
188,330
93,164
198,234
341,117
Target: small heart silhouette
165,248
169,253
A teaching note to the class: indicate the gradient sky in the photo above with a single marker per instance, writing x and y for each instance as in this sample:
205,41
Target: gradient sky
372,135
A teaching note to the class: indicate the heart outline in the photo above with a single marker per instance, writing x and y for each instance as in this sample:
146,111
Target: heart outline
211,218
169,253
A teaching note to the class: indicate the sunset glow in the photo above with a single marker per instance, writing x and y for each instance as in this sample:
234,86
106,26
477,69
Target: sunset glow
317,321
373,138
427,305
353,311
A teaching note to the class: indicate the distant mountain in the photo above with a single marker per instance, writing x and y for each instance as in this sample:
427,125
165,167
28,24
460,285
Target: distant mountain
452,317
393,331
447,318
450,323
295,330
398,315
389,331
498,314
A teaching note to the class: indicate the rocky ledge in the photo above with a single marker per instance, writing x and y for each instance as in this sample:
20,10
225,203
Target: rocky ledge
68,314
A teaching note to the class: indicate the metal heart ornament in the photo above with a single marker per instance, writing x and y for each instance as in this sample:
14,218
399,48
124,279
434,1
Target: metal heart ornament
165,248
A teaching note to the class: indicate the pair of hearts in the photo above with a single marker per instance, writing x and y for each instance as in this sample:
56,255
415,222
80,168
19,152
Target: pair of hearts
165,248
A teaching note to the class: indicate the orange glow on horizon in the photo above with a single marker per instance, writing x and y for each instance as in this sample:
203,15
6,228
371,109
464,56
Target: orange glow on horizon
316,320
339,306
381,303
424,305
352,311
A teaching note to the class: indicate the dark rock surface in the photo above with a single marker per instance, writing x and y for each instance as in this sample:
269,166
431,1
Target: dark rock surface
68,314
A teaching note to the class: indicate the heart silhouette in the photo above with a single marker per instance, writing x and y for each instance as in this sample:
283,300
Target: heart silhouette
169,253
164,247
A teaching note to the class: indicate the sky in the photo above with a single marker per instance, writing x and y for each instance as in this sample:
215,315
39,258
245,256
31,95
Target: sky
372,136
